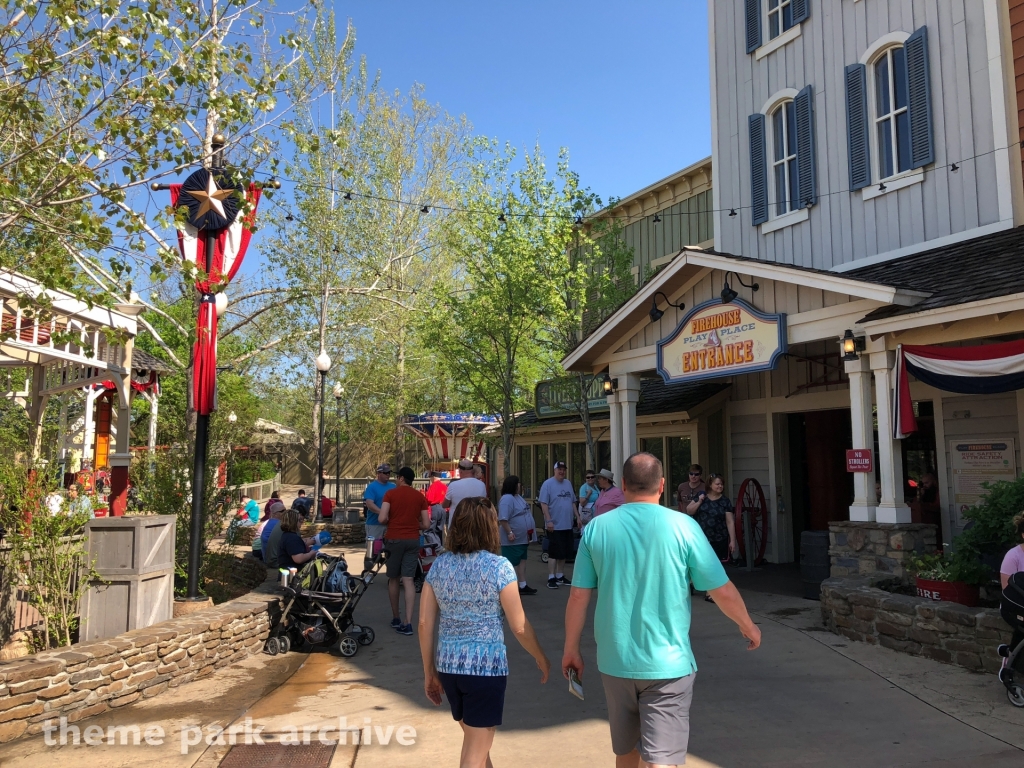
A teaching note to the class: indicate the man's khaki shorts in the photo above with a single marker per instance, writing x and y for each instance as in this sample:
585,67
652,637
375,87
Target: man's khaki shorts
651,716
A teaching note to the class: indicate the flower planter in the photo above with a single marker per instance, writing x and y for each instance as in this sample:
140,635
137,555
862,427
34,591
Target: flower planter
948,591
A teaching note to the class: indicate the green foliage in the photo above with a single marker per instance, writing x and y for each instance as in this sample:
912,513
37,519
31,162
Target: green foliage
100,98
960,566
987,537
46,558
250,471
991,528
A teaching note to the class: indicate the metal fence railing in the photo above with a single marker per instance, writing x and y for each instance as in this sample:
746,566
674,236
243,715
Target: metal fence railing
258,490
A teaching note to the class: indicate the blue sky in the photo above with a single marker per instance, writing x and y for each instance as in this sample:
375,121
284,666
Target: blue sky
623,85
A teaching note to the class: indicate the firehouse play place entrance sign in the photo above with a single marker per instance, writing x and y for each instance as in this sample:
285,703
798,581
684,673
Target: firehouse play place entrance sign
717,339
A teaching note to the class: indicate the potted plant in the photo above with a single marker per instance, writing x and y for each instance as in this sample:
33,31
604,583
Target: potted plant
952,578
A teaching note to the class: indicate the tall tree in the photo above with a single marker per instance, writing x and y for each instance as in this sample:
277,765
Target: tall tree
493,319
361,246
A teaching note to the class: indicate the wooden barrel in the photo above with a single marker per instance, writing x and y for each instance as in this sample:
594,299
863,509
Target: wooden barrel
814,562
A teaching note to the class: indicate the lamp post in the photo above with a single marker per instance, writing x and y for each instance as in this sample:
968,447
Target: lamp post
323,365
338,392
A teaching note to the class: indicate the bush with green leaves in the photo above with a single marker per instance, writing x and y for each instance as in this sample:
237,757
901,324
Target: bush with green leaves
956,567
990,531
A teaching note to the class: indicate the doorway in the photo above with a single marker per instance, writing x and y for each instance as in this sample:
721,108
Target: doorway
822,489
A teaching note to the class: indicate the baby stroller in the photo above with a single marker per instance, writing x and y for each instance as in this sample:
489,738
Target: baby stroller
319,606
430,546
1011,607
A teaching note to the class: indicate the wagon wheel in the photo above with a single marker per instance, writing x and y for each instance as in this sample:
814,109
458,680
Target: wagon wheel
751,498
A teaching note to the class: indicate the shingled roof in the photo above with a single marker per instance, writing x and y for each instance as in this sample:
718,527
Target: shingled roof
974,270
656,397
143,361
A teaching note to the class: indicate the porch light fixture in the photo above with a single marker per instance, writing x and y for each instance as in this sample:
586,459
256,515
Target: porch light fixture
728,294
655,313
608,384
852,345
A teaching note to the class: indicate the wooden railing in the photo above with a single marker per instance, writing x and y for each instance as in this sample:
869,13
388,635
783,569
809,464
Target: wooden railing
258,490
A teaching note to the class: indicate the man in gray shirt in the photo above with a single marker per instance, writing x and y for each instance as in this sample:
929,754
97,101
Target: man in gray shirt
558,503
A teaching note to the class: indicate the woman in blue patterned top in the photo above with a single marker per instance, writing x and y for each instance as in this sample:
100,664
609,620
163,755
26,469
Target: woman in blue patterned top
471,587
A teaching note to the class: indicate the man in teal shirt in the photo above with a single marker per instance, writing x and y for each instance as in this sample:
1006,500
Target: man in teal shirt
641,559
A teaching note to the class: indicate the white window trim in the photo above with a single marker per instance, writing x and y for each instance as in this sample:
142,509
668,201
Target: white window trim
785,220
774,44
870,57
885,41
893,184
774,101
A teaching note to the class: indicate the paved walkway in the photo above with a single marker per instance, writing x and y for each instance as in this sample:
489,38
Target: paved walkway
806,698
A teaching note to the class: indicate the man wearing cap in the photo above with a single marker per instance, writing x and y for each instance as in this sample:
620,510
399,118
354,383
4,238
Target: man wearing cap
611,497
466,487
373,497
558,503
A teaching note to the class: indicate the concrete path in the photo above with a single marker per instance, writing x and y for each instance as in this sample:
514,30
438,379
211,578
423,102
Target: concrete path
806,698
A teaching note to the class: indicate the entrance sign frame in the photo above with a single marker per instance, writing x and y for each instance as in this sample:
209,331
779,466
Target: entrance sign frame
716,339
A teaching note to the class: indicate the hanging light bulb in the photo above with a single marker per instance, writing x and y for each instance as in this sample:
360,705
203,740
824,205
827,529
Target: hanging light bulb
656,219
954,167
425,209
347,196
289,217
732,212
501,218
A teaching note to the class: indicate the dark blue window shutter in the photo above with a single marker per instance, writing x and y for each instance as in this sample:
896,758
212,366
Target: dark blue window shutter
753,24
801,10
758,170
857,125
807,177
919,102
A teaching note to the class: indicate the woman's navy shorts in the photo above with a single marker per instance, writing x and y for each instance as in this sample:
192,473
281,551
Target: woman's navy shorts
477,700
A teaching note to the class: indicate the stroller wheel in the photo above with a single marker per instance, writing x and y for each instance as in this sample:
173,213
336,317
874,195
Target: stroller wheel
284,643
272,646
367,636
543,557
348,647
1015,694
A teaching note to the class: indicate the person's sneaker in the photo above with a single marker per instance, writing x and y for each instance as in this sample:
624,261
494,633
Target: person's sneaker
527,590
405,629
552,583
396,624
563,580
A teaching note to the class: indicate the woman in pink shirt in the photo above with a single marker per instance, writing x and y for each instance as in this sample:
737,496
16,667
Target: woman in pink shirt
1014,559
1013,563
611,497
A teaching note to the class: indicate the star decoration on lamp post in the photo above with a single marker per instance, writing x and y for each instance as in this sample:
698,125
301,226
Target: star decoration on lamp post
210,205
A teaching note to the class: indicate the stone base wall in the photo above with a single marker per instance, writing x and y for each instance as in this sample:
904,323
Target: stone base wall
865,549
947,632
341,533
86,679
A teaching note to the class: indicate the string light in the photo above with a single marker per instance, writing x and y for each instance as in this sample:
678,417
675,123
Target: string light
579,220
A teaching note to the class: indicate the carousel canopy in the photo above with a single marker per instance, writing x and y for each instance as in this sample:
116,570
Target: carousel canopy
451,436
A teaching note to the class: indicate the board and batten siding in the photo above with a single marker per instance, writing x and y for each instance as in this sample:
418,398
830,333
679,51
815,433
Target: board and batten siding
688,222
748,437
1016,10
991,417
842,227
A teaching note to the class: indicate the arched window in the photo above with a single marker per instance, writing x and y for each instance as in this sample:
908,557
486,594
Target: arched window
891,112
783,176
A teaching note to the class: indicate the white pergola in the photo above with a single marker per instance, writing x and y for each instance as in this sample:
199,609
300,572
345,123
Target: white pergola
66,345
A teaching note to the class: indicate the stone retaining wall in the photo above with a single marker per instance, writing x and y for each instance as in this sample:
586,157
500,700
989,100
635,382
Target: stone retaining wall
860,549
86,679
947,632
341,533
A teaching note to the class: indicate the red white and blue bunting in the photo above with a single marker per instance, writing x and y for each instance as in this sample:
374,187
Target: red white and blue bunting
981,370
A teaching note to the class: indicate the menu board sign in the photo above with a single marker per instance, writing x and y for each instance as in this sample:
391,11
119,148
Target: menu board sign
977,462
